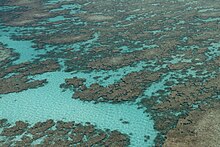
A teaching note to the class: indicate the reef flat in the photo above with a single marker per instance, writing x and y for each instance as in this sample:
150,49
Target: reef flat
161,56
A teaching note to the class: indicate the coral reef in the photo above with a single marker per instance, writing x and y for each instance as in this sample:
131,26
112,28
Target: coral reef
59,133
174,39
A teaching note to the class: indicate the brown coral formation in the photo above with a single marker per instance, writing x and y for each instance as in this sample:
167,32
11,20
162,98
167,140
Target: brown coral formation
128,89
75,82
19,128
18,84
19,80
60,133
41,127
